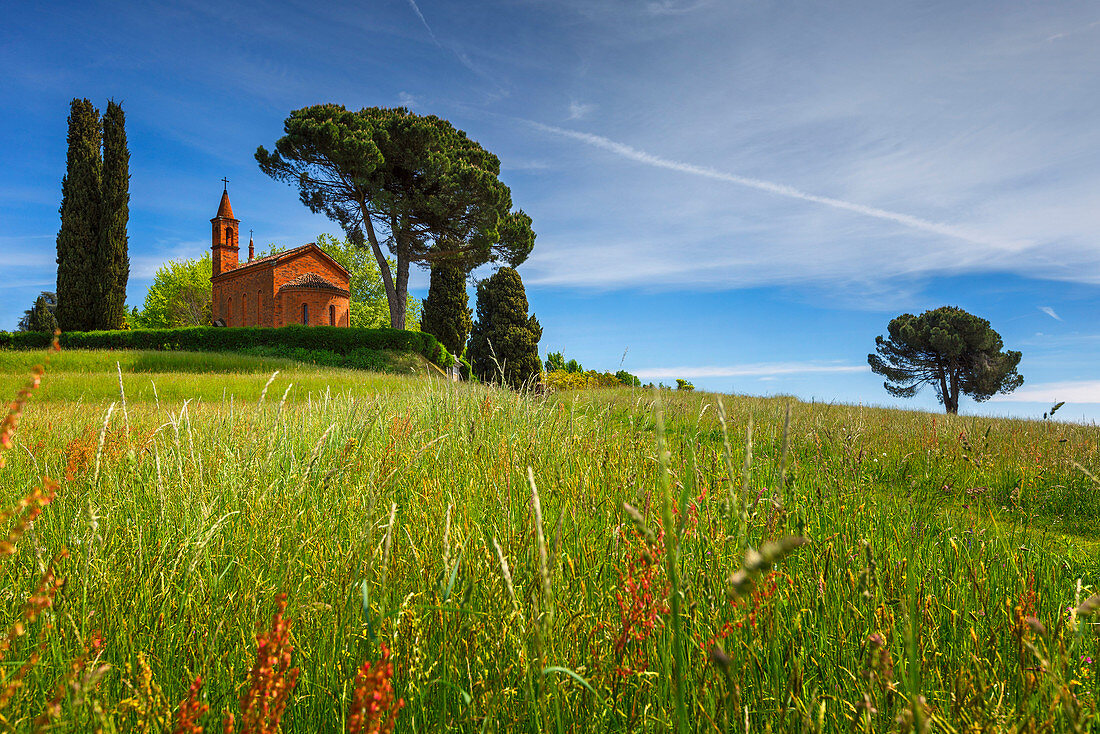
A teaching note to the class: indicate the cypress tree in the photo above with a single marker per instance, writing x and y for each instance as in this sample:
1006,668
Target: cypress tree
78,240
41,318
504,343
115,214
446,314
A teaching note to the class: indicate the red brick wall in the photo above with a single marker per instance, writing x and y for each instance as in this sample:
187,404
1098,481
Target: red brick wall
235,294
245,287
289,307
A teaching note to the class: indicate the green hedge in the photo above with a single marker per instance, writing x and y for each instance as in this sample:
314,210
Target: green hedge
335,339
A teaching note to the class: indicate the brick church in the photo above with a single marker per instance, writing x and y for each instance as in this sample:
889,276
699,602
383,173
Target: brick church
298,286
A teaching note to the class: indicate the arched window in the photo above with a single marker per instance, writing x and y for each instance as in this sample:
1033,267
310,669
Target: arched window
229,311
305,314
332,315
228,237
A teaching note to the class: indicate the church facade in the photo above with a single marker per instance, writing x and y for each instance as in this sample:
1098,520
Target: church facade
299,286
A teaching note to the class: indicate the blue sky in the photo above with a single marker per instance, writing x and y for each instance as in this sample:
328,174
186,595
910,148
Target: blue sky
739,193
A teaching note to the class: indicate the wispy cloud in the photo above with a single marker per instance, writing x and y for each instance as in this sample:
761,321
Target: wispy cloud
1050,312
1071,391
674,7
579,110
762,369
906,220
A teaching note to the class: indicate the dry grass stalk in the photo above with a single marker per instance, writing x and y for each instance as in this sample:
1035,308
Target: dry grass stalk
506,572
544,570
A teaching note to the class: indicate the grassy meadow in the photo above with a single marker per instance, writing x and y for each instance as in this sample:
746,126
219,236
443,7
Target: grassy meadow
859,570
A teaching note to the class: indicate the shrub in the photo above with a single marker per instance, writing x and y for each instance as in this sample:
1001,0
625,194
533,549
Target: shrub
565,380
328,345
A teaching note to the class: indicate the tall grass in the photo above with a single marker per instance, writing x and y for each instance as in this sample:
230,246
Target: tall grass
933,582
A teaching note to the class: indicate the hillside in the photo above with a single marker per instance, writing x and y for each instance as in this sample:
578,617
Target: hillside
942,553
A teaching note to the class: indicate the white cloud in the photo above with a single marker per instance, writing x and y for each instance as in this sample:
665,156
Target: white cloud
763,369
1070,391
580,110
408,100
1050,312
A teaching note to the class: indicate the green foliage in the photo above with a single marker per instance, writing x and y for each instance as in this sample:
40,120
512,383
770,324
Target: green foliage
113,260
32,322
179,296
555,362
504,341
628,379
682,384
950,349
579,380
42,319
340,341
573,366
446,313
92,260
78,241
412,183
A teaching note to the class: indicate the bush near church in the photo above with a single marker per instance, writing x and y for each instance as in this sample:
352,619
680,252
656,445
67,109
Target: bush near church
337,340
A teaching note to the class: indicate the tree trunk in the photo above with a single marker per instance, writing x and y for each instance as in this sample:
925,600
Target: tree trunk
398,322
383,270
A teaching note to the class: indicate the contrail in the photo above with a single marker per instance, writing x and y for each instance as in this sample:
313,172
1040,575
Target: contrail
462,58
416,9
790,192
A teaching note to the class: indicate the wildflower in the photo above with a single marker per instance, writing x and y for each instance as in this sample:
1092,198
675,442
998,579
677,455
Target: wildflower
191,710
374,709
271,679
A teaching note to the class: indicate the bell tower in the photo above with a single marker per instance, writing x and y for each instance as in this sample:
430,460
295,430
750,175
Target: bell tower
223,236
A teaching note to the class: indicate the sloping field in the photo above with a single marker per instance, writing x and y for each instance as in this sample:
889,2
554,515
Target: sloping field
939,578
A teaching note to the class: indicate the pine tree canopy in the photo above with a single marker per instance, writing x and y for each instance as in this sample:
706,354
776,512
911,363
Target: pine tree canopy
950,349
504,344
410,182
446,310
78,240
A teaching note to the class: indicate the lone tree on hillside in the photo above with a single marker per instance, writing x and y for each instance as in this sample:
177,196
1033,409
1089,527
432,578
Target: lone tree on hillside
446,312
113,256
78,239
412,183
950,349
505,341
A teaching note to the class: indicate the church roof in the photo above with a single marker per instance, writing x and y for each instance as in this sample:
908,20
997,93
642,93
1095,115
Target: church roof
312,280
225,211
